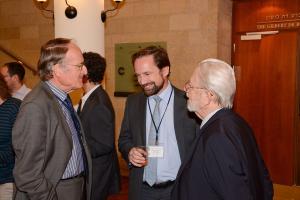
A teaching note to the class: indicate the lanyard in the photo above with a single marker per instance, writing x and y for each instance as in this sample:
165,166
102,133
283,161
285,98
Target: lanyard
151,114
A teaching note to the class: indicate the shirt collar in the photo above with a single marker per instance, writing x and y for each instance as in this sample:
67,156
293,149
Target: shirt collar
22,89
57,92
165,94
86,96
205,119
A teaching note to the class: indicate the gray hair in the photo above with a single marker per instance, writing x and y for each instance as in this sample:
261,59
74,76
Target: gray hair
218,77
52,52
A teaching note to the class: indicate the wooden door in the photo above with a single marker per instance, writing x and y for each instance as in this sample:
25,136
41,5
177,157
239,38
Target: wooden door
267,98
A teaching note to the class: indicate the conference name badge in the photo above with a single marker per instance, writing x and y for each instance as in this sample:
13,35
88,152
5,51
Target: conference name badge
155,151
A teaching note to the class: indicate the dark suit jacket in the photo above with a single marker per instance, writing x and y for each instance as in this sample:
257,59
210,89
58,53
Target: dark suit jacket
133,133
98,120
43,144
224,163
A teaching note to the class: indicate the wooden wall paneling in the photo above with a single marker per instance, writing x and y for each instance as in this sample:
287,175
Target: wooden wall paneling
246,14
268,74
266,98
297,114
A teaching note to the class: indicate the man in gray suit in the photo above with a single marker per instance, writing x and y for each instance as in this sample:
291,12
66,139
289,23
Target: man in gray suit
158,119
52,159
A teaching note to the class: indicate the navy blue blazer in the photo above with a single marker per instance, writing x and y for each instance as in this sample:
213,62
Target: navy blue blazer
223,163
98,121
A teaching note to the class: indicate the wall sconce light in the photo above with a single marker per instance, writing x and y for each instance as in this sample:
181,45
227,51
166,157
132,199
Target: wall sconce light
103,13
42,5
70,11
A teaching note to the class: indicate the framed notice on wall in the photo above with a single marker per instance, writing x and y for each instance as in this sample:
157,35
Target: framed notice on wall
125,80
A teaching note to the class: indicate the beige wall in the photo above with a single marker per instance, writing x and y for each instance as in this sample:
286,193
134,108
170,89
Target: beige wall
193,29
23,30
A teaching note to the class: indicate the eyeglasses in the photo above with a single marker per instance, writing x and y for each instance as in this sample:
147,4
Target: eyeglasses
80,65
188,86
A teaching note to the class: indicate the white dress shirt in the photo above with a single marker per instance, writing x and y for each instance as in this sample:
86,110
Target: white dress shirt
22,92
86,96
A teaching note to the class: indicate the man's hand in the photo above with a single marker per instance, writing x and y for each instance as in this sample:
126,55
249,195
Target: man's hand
138,156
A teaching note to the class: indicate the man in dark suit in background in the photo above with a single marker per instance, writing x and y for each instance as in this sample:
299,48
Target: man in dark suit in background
158,119
224,163
98,119
52,158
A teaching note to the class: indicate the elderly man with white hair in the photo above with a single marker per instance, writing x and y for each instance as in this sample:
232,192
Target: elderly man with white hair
224,162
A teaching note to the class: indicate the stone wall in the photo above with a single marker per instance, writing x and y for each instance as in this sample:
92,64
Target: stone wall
23,29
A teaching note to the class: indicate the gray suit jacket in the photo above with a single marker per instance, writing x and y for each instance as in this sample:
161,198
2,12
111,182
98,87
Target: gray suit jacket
133,133
43,143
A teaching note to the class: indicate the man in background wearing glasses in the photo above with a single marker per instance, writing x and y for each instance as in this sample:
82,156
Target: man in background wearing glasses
52,159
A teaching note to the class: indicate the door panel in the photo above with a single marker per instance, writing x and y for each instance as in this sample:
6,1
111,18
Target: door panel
266,98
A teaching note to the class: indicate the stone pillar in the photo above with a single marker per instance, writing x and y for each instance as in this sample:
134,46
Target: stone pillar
86,28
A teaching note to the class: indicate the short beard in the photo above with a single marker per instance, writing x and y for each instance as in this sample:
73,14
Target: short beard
191,107
154,90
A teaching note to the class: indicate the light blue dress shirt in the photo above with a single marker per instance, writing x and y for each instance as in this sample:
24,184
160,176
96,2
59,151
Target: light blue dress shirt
168,166
75,165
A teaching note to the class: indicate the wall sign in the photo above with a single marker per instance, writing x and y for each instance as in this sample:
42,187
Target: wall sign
280,21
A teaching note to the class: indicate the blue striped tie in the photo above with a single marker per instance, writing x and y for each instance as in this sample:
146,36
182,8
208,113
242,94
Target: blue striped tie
78,158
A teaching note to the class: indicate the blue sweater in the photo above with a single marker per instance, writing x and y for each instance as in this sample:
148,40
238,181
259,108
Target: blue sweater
8,112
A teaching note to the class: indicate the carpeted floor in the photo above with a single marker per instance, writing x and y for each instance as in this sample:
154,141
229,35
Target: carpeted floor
281,192
123,195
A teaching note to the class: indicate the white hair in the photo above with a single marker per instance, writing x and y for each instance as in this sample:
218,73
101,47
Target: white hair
218,77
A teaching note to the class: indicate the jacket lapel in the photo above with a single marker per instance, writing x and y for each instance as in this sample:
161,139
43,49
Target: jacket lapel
89,102
190,152
199,134
213,118
141,117
57,108
179,109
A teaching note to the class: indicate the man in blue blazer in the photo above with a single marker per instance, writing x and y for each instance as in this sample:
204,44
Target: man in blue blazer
174,132
224,163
